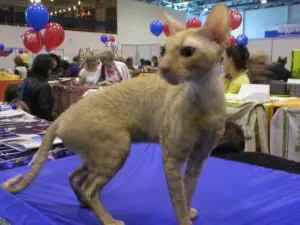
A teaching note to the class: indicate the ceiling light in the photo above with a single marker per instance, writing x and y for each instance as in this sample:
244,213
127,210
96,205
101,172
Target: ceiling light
55,12
60,11
79,2
64,10
51,13
74,7
69,9
264,1
32,1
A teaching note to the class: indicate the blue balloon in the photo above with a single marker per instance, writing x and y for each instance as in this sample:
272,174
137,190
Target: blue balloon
10,50
104,38
156,28
242,40
37,16
21,51
1,47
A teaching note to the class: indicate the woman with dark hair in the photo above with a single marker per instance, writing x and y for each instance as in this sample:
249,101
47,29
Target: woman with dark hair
155,61
57,71
36,91
235,66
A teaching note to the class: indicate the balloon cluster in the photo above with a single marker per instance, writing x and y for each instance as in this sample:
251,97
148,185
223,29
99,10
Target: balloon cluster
4,52
110,42
156,27
104,38
236,21
51,35
240,40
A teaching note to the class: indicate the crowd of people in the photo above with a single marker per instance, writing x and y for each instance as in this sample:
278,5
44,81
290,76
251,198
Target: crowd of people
237,67
35,94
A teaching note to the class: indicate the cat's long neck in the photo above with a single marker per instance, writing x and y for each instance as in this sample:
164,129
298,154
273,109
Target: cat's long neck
207,92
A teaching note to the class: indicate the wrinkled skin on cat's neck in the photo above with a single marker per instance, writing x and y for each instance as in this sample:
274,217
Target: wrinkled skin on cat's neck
186,114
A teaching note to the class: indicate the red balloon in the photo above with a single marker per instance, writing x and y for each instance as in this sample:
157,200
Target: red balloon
193,23
166,29
236,19
111,39
33,41
53,35
231,41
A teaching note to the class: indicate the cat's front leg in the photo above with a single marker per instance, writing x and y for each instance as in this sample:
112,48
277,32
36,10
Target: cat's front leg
173,167
200,151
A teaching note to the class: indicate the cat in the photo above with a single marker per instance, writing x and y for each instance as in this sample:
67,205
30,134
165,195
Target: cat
184,106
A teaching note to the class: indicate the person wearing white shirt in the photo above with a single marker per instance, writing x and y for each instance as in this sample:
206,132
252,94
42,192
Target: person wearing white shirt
108,72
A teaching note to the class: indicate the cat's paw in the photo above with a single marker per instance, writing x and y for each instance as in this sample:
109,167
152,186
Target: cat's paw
114,222
193,213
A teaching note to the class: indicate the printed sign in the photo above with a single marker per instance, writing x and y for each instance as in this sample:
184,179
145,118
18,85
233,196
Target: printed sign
286,30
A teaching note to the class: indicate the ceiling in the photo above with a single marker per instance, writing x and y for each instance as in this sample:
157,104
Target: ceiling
201,7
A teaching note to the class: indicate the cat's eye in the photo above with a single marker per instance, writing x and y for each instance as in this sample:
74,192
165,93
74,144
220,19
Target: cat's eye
162,51
187,51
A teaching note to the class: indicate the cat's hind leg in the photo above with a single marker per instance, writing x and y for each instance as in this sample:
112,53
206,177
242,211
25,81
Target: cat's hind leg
103,165
77,178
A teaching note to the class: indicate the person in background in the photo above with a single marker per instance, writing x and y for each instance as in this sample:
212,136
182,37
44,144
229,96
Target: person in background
155,61
90,74
36,91
75,67
12,96
147,66
142,64
278,68
121,59
66,66
112,71
133,71
57,71
21,68
259,71
235,63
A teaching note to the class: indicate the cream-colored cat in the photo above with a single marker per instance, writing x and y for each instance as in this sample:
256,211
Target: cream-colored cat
186,113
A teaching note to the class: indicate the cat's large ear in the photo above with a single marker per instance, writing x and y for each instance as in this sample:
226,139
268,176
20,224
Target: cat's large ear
218,23
174,25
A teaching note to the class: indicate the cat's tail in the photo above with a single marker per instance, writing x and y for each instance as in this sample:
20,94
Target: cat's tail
19,182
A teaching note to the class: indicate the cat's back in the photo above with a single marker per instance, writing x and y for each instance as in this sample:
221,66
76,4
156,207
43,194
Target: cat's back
130,98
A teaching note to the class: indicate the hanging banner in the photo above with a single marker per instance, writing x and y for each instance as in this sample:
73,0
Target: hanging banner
286,30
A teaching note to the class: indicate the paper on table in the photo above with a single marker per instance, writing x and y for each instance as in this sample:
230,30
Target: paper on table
255,92
27,142
293,81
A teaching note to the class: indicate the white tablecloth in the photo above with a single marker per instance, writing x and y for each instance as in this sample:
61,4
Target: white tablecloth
285,134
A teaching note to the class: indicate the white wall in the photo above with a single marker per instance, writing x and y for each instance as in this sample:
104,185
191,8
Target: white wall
134,20
257,21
